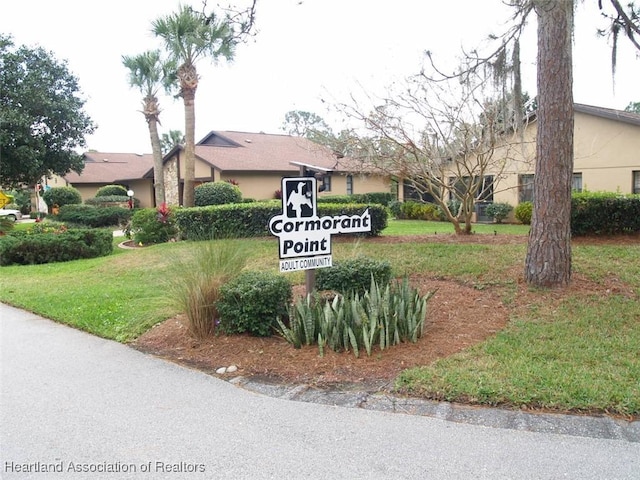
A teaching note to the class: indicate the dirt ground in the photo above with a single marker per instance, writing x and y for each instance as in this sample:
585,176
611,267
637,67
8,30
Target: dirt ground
458,316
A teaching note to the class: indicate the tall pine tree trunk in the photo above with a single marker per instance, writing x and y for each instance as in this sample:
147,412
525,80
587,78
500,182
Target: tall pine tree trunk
548,262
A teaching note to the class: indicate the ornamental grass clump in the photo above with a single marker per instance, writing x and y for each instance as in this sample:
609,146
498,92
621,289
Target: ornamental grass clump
198,278
381,317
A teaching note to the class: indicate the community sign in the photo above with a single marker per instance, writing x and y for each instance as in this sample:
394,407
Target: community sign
304,238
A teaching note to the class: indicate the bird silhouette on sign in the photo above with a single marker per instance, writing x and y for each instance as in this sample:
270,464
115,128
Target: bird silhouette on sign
297,199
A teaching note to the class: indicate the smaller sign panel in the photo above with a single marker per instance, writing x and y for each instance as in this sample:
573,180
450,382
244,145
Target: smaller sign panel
4,200
305,263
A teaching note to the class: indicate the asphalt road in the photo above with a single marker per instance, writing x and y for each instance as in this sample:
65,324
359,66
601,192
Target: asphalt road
83,408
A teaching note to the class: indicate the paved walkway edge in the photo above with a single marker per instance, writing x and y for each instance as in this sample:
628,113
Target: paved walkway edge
575,425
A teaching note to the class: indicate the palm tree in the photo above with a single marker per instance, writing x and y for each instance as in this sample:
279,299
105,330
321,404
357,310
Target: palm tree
189,36
148,73
170,140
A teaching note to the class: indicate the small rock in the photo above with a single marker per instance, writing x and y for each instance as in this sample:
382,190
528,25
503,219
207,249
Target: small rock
232,369
221,370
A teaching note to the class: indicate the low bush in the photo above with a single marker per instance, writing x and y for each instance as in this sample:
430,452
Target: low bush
604,213
37,248
62,196
112,190
383,317
195,285
251,303
112,200
523,212
418,211
353,275
94,217
498,211
216,193
149,225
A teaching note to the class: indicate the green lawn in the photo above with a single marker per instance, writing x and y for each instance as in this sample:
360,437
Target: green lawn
578,354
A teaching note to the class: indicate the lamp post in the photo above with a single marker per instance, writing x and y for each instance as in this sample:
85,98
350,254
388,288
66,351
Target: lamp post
130,195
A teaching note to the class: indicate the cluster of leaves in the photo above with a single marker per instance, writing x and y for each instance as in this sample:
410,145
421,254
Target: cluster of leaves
383,316
62,196
604,213
251,303
94,217
498,211
523,212
353,275
411,210
43,121
149,226
38,248
217,193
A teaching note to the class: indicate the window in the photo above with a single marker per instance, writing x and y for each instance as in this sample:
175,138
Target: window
349,184
525,188
326,183
636,182
576,182
486,189
462,185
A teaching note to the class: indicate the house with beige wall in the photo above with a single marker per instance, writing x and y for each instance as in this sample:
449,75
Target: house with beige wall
256,162
127,169
606,155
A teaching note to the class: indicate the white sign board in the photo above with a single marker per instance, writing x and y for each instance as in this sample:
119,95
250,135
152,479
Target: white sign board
305,238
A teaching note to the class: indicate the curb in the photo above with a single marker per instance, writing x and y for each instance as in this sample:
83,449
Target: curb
602,427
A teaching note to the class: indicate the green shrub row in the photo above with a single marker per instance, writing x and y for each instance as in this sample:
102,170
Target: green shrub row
111,199
380,198
94,217
353,275
241,220
411,210
73,244
602,213
381,317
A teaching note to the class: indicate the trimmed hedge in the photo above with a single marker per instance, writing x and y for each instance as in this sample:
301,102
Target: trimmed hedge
112,200
216,193
112,190
604,213
94,217
243,220
62,196
381,198
74,244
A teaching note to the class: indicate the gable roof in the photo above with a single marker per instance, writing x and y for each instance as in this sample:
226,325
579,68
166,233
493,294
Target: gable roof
102,167
243,151
609,113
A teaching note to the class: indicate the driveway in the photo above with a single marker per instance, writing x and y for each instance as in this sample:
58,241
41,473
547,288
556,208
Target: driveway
76,406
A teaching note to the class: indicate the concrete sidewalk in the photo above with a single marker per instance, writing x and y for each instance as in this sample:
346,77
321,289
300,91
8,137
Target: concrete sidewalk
93,408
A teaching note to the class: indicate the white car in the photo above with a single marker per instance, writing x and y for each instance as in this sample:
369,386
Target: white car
12,215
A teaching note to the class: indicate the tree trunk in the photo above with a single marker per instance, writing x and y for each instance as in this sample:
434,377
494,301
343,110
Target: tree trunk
158,172
548,262
188,194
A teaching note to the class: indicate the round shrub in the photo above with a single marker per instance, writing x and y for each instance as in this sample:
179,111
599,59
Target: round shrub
251,303
150,226
62,196
395,207
523,212
498,211
354,275
216,193
109,190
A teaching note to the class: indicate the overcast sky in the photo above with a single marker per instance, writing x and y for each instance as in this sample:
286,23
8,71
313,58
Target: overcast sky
304,51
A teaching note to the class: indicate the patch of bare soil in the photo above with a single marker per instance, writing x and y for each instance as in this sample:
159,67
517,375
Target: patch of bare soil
458,316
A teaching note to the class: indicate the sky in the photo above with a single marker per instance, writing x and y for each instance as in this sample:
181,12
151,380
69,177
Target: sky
306,55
